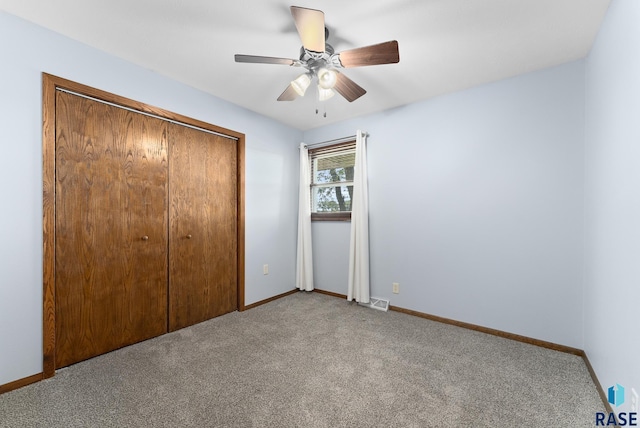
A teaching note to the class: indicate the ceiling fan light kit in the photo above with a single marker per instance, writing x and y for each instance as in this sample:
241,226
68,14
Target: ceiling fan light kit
321,61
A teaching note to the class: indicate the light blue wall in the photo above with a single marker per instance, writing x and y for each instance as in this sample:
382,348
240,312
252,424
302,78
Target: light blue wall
476,206
479,215
612,250
271,175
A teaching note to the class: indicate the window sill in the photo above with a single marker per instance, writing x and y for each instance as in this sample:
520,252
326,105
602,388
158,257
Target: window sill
339,216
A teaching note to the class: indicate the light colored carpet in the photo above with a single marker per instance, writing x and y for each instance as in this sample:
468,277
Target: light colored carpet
310,360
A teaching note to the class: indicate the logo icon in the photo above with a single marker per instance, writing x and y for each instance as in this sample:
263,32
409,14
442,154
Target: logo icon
616,395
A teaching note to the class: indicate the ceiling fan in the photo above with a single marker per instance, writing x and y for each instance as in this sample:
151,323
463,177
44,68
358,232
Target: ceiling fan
321,62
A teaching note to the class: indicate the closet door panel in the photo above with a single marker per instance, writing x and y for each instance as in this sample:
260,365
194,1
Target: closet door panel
111,228
202,226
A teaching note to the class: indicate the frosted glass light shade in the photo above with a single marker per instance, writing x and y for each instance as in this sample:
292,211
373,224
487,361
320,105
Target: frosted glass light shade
324,94
327,78
301,83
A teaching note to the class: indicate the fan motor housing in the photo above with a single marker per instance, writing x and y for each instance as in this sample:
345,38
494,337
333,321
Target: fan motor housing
315,60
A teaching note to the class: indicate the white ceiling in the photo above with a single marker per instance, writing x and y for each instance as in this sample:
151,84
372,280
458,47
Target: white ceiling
445,45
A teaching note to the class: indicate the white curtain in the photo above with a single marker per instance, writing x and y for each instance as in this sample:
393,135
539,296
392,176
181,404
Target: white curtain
304,260
359,248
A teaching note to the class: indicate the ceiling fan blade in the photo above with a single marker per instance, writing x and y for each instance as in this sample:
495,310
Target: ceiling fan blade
289,94
382,53
310,25
264,59
348,88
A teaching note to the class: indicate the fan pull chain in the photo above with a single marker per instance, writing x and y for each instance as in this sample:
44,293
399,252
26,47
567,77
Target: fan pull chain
324,107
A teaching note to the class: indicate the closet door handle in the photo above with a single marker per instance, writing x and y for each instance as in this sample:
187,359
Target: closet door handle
145,238
189,236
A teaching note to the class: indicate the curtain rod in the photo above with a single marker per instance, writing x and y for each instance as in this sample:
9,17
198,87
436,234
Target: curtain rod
336,141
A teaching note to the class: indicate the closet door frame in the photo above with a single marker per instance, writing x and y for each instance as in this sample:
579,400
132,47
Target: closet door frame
50,84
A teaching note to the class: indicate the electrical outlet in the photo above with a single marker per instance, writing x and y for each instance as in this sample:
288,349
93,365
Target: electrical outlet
634,401
396,288
265,269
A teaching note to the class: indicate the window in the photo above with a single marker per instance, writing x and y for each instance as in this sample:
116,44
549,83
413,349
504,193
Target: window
332,181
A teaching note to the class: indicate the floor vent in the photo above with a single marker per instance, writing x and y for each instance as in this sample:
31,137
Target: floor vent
377,303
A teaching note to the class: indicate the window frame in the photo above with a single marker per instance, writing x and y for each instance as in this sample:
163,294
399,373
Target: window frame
313,153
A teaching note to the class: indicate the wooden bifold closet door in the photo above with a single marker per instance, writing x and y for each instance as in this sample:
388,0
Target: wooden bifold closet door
203,229
146,227
111,228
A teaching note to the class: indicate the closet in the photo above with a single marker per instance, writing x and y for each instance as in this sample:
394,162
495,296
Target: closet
147,224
